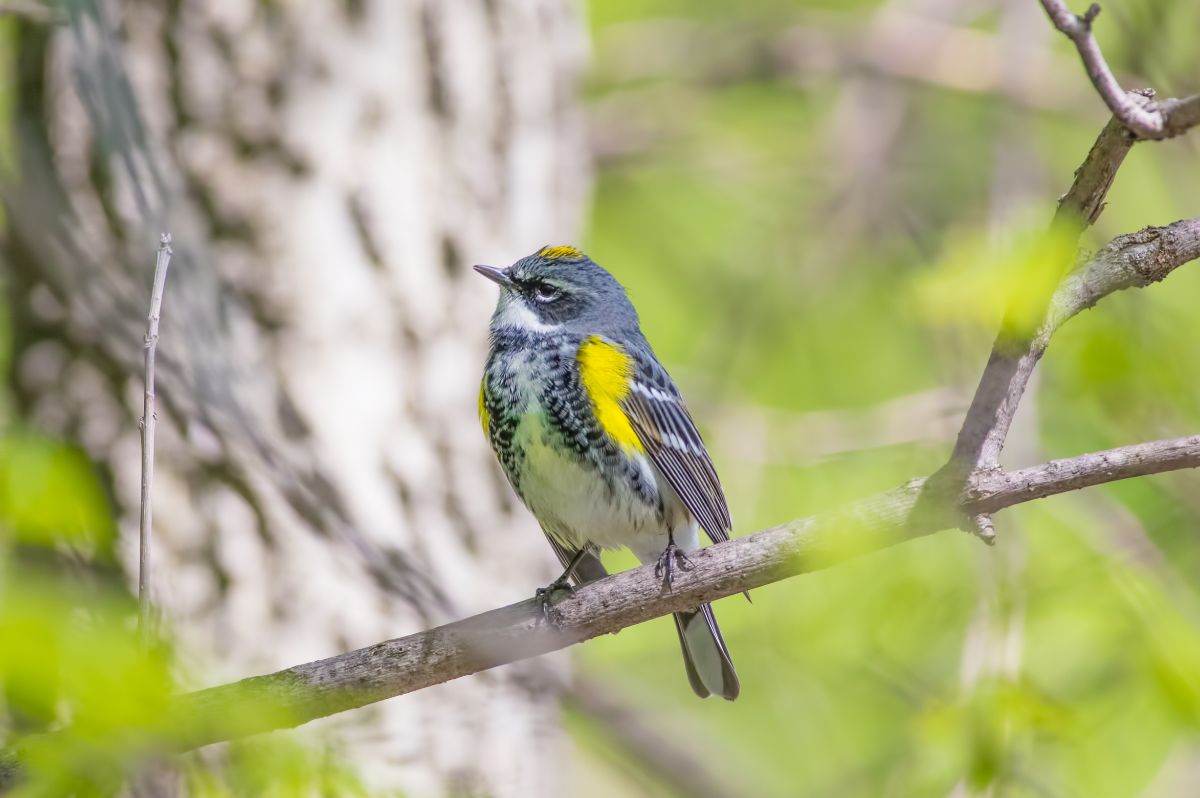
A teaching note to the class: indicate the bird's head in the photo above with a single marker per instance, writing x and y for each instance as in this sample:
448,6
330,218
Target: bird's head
560,289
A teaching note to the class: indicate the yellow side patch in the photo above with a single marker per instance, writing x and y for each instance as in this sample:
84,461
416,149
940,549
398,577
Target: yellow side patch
564,252
607,372
484,419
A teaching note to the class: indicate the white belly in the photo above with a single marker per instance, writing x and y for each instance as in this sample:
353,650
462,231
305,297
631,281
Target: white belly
575,504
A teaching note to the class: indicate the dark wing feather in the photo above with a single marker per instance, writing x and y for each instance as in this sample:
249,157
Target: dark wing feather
665,428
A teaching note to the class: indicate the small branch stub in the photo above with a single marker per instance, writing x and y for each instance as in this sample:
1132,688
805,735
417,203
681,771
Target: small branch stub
983,528
147,423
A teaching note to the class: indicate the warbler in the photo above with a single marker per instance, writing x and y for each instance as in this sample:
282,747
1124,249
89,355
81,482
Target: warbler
595,437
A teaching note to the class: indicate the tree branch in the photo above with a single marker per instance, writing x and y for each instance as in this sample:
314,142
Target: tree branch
1011,362
306,692
1160,121
1081,206
1134,260
992,491
1128,261
1020,344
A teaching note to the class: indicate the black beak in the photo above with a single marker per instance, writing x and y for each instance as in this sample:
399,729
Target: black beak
495,274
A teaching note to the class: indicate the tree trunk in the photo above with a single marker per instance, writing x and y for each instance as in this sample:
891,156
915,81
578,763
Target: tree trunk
329,171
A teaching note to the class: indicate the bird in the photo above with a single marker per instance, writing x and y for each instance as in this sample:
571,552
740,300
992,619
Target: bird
596,440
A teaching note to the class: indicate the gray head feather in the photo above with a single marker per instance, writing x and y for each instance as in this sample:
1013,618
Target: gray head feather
564,289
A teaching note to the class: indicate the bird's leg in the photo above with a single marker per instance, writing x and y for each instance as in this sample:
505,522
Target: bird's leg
672,555
543,594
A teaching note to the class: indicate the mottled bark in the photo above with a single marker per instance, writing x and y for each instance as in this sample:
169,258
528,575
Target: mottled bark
328,171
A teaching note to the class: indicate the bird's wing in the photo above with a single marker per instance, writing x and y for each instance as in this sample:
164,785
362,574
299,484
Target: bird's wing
668,434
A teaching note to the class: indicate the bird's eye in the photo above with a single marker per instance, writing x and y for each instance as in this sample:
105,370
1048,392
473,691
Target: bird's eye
543,292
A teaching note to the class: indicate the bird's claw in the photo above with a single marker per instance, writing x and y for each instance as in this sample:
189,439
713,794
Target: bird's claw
543,595
672,556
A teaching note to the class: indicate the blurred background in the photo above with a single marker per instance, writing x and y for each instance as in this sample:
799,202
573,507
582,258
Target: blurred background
816,208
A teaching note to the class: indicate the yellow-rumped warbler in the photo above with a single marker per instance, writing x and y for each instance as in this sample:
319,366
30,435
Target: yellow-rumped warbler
595,438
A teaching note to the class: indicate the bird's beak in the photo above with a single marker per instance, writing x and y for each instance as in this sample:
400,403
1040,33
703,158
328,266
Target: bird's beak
495,274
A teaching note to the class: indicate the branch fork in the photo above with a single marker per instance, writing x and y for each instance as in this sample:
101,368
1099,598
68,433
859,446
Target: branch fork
1146,120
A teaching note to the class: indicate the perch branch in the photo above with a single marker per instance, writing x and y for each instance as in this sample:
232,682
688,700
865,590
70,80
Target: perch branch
149,419
1148,121
395,667
306,692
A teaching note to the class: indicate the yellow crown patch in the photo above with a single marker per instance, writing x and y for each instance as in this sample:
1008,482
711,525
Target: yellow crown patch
561,253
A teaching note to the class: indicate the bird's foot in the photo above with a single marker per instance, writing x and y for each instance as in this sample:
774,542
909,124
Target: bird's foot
545,594
671,557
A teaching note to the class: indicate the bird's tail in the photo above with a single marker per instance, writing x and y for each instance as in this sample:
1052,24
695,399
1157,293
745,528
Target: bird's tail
709,668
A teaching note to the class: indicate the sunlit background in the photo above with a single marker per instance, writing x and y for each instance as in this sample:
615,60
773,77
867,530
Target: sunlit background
817,208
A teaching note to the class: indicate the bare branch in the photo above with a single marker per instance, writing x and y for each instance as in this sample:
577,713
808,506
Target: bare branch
992,491
1180,114
1081,206
1018,346
149,419
303,693
1129,261
1150,122
1079,30
1134,260
1008,368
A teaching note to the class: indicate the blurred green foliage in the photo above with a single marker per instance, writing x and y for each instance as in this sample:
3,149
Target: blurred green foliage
832,241
273,766
83,698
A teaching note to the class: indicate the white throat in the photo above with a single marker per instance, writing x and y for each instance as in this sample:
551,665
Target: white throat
512,312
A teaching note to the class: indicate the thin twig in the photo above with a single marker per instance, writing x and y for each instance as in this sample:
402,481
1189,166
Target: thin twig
1079,30
991,492
1150,122
149,418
